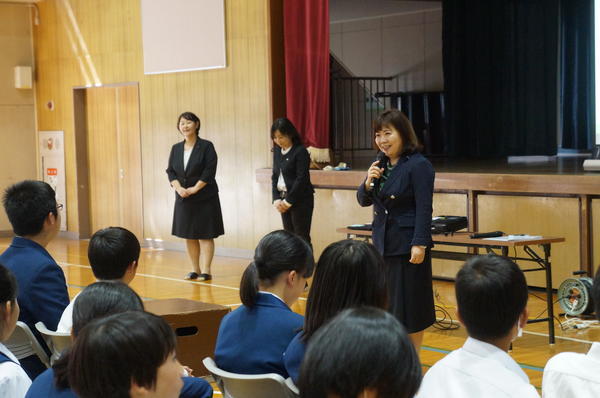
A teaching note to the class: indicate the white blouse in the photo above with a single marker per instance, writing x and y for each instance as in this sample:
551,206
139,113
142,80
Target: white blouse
14,382
186,157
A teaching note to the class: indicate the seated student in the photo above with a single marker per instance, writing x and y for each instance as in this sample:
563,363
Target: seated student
113,253
571,374
35,217
252,338
381,363
491,297
14,382
349,274
96,301
139,348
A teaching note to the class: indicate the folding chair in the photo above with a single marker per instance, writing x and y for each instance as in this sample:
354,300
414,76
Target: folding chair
22,343
235,385
56,341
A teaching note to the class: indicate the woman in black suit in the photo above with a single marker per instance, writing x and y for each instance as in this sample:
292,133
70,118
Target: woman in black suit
400,187
197,217
293,193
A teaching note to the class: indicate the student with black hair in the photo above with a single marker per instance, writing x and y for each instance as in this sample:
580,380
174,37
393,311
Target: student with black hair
293,193
491,298
197,216
571,374
349,274
97,301
35,217
14,382
252,338
361,353
140,348
113,254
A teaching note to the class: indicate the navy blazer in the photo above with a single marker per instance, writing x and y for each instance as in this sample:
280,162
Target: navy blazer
293,356
402,209
43,292
295,167
202,165
252,340
43,386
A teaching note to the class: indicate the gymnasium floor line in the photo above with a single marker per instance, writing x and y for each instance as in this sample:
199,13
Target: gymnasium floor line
453,322
166,278
200,283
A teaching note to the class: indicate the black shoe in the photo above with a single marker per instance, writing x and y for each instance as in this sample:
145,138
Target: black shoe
192,276
204,277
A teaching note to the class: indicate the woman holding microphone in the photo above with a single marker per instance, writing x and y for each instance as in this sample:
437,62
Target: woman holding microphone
399,184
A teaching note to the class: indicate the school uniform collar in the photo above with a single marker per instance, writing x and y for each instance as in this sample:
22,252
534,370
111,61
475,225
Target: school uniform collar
21,243
268,299
491,352
8,354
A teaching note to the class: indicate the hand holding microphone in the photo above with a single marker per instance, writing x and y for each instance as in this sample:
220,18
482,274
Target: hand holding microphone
375,171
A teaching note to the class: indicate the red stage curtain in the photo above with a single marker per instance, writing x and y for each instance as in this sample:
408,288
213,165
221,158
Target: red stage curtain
306,42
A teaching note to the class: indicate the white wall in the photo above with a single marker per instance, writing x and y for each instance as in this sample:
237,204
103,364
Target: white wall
408,45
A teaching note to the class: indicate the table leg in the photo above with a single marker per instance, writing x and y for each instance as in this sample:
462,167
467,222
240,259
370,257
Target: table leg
549,300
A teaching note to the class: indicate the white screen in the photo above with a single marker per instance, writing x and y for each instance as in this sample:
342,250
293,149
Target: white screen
183,35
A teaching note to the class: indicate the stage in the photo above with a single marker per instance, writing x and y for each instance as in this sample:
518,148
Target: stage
547,196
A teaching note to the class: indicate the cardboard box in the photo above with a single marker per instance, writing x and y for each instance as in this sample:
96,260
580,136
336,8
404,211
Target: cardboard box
196,325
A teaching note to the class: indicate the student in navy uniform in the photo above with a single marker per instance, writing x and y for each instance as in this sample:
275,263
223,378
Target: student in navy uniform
35,217
197,217
252,338
99,300
293,193
361,353
400,187
349,273
139,349
14,382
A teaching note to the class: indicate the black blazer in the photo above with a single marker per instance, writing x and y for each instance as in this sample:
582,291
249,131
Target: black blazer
295,169
201,166
403,207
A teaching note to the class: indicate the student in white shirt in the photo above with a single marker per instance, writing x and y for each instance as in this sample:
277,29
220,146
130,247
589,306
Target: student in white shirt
571,374
14,382
113,253
491,296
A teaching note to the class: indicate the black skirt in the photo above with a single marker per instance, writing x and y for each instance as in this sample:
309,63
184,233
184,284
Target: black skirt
411,291
198,219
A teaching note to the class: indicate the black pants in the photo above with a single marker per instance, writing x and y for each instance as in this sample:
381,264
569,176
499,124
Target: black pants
32,366
299,218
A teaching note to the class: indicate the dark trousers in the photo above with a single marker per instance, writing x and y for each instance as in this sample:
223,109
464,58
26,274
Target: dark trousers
299,218
32,366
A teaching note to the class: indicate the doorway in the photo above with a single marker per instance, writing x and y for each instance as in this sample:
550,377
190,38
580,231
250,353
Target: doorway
109,167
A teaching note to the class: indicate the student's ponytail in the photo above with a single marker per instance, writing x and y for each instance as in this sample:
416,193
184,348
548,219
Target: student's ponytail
249,285
277,252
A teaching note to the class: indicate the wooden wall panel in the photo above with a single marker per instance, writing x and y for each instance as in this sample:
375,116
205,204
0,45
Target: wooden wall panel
18,146
83,43
537,216
448,204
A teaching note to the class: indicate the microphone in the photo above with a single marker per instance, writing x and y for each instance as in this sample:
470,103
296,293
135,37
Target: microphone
380,158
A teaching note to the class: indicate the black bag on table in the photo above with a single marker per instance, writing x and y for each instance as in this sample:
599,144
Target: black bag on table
448,224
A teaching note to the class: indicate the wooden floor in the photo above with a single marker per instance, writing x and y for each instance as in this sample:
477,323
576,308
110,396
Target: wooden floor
160,275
